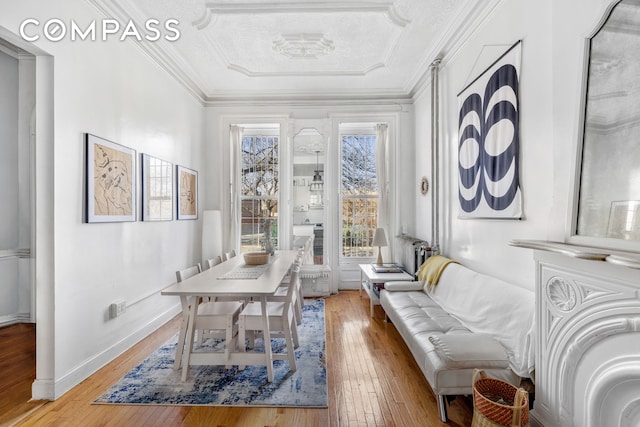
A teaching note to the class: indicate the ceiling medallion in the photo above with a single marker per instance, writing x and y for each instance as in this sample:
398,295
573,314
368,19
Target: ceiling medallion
303,45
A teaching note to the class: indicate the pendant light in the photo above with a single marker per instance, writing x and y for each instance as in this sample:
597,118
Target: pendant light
316,184
317,177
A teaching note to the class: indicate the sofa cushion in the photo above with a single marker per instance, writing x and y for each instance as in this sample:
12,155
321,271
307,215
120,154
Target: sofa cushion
470,351
416,317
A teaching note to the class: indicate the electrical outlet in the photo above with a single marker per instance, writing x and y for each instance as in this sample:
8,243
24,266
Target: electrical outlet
117,308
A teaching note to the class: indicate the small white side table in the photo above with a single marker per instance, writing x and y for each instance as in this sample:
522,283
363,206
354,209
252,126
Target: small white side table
368,277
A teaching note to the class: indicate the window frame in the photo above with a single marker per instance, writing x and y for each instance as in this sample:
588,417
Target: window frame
261,132
366,131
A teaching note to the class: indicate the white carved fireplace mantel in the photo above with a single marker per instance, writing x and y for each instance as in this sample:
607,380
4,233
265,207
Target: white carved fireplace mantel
588,336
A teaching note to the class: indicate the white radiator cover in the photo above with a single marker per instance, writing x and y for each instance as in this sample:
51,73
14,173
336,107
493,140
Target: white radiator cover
315,280
588,342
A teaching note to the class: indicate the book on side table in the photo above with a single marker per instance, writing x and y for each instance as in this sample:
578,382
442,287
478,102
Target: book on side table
376,287
382,269
387,268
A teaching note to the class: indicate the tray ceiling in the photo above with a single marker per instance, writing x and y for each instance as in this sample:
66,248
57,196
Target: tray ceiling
257,49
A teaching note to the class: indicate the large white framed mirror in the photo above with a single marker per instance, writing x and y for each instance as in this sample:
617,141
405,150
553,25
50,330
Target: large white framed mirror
608,203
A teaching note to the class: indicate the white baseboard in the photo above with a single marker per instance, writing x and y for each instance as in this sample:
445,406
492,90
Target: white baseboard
49,390
349,285
42,390
539,417
12,319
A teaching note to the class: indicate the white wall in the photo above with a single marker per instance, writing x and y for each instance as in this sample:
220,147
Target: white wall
9,210
26,172
553,36
9,151
113,90
482,244
422,159
17,101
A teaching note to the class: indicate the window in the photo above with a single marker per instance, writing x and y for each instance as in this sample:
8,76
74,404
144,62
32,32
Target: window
359,195
259,191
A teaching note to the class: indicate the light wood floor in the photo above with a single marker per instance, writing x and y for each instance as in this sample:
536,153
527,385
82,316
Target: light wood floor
372,380
17,371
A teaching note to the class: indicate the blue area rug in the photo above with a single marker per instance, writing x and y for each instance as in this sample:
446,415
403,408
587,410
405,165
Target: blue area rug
154,382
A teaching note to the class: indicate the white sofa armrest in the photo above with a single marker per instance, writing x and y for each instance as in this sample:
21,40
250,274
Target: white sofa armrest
403,286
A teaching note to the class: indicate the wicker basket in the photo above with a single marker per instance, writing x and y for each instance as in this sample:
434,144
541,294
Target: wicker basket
256,258
498,403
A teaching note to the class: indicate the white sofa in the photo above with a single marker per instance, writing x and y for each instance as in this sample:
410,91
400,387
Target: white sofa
468,320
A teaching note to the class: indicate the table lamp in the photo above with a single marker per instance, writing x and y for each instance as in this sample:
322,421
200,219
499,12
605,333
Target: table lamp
379,239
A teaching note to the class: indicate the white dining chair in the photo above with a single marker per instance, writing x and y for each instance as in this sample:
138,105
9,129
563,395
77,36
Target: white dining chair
282,323
229,255
180,276
215,319
188,272
214,261
219,319
298,299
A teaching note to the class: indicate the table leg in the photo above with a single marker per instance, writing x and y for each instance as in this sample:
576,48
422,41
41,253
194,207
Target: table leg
183,332
189,338
266,333
360,287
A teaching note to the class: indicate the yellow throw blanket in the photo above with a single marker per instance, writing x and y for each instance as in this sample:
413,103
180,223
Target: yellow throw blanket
432,268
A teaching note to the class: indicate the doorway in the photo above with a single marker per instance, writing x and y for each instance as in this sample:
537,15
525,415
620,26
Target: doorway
36,137
308,196
17,237
17,121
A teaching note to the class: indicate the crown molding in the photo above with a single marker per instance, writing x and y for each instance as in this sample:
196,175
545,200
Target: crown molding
14,51
214,8
9,52
351,98
354,73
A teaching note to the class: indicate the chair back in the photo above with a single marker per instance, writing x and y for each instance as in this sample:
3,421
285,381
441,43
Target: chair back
188,272
214,261
292,288
229,255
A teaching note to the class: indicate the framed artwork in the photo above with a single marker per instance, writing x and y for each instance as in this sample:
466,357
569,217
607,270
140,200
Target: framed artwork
157,189
110,181
187,193
489,141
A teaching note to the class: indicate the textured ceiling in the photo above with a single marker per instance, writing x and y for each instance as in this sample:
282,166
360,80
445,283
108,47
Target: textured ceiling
306,48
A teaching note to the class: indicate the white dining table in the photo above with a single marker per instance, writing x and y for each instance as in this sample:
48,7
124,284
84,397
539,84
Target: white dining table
215,282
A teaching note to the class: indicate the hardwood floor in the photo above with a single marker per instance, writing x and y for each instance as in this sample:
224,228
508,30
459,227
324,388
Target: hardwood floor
17,371
372,381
